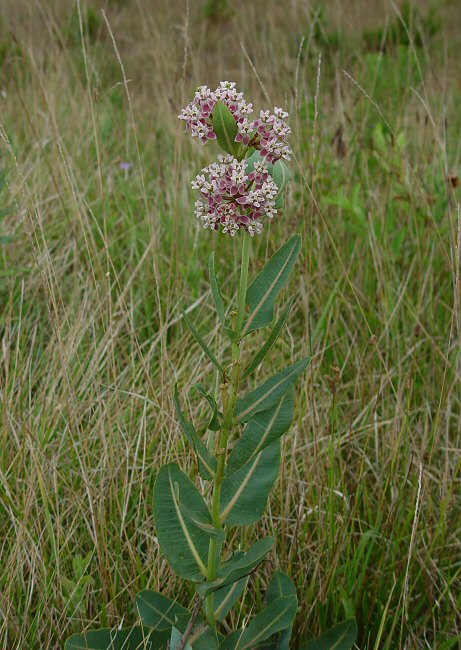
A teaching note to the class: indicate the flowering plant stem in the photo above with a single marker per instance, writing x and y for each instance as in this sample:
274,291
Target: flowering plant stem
230,392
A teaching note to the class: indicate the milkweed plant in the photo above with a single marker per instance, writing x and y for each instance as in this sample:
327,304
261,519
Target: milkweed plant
238,460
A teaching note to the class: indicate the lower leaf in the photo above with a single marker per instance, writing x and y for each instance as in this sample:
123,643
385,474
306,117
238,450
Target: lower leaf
130,638
181,519
339,637
272,619
280,585
158,611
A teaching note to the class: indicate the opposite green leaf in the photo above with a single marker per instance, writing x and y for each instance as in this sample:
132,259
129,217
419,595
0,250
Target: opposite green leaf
241,565
196,334
158,611
244,493
225,127
131,638
263,291
270,392
339,637
181,519
215,291
262,430
206,461
269,344
272,619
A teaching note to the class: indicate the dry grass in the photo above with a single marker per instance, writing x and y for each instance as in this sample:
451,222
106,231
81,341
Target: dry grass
367,510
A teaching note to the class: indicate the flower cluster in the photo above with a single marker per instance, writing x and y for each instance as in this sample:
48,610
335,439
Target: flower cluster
198,114
235,197
266,134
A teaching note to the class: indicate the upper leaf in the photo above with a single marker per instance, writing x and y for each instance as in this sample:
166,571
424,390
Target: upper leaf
279,172
225,127
281,175
158,611
240,565
339,637
183,523
244,493
261,430
206,461
130,638
263,291
265,396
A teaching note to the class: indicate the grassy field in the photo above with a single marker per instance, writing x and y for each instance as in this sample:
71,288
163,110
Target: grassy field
96,260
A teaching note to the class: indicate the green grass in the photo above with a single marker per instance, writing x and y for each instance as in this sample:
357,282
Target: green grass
95,263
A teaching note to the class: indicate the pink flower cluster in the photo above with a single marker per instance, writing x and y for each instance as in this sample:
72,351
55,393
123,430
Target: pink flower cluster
233,197
198,114
266,134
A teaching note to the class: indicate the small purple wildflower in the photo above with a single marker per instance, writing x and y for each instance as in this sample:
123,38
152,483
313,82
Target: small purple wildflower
126,166
267,134
234,199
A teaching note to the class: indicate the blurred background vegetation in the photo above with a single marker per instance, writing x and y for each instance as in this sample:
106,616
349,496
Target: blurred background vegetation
97,255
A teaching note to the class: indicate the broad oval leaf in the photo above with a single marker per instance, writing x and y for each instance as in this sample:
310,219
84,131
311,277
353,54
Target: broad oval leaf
206,461
226,598
267,395
131,638
262,430
263,291
272,619
269,344
157,611
225,127
239,566
339,637
244,493
183,523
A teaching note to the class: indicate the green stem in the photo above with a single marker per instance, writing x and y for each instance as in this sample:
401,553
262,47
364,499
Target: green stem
228,417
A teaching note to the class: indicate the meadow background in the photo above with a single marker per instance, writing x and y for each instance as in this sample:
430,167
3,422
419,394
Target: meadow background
96,259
